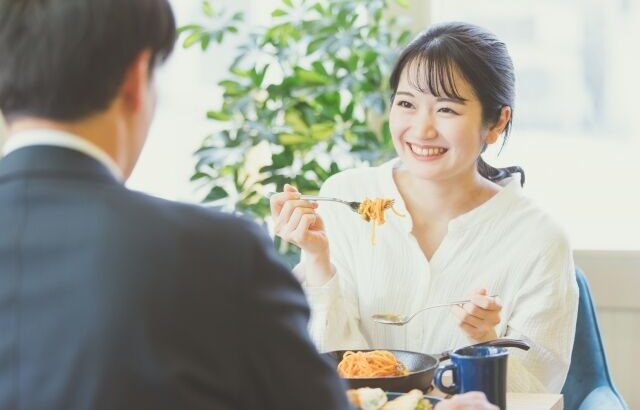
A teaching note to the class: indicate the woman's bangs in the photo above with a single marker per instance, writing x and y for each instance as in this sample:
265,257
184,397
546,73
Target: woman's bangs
433,74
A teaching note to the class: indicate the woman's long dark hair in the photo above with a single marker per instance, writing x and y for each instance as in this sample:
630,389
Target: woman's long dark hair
480,58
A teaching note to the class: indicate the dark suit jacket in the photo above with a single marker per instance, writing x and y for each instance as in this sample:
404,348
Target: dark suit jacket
112,299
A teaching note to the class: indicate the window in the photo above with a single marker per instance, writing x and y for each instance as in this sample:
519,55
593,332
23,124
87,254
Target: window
576,130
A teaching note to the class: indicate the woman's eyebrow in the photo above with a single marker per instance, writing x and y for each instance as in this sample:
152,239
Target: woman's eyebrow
439,99
451,100
405,93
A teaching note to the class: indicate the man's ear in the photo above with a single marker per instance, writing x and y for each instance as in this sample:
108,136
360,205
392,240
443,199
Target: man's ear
499,126
136,82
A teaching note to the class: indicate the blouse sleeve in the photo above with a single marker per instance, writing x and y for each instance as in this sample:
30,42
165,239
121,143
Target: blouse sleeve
335,315
545,315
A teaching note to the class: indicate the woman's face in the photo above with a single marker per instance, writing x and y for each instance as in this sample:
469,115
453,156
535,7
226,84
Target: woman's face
437,138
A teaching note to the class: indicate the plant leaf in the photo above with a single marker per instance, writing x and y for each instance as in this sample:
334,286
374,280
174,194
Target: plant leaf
308,77
199,175
295,120
216,193
321,132
292,139
207,9
193,38
189,27
218,116
314,45
204,44
278,13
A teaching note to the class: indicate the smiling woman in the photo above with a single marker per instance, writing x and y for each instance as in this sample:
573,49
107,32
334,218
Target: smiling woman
453,92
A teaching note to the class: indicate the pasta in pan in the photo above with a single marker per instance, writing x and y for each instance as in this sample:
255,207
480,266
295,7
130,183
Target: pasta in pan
377,363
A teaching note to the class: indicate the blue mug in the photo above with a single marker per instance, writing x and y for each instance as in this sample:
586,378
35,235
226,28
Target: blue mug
477,368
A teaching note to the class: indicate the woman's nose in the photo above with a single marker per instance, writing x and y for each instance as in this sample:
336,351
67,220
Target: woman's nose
424,128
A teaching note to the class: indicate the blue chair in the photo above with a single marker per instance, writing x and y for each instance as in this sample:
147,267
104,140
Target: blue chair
589,385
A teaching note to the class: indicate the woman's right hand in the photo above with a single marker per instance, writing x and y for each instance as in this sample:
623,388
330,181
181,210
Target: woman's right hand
297,222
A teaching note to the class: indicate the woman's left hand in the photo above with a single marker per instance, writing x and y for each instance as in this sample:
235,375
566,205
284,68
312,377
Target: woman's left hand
479,318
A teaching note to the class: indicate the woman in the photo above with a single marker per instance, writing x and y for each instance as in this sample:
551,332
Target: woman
468,230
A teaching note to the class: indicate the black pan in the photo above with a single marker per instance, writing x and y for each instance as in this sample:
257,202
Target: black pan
421,367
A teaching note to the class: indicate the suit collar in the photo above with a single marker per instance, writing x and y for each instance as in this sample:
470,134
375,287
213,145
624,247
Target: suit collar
63,139
52,161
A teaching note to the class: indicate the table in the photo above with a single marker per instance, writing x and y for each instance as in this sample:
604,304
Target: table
530,401
526,401
518,401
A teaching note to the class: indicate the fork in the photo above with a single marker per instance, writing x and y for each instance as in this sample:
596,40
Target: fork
354,205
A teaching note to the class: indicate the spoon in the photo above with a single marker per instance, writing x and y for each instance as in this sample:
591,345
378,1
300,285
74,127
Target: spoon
395,319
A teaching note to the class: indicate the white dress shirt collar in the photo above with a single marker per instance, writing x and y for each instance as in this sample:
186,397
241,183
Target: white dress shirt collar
50,137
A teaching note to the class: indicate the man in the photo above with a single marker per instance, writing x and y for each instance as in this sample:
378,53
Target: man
111,299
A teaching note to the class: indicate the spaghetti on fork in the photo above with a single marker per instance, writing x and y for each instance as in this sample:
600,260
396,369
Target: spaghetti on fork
372,210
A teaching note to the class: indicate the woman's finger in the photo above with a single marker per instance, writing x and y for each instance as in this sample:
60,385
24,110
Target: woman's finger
296,216
278,200
486,302
461,315
289,207
464,317
487,321
481,313
302,230
471,331
481,298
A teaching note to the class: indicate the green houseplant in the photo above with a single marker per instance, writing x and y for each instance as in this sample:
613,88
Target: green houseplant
304,98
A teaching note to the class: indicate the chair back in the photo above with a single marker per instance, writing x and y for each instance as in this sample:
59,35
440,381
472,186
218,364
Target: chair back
588,385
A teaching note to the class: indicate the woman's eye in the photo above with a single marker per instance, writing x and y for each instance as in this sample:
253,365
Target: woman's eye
405,104
447,111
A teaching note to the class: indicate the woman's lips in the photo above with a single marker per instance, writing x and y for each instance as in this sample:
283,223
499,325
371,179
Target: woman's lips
426,152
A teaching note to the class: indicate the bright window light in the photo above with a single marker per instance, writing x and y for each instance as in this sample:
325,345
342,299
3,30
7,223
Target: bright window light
576,129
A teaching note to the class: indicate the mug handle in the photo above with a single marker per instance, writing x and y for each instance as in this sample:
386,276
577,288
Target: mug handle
437,379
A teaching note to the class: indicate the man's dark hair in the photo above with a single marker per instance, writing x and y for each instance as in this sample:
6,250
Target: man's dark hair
66,59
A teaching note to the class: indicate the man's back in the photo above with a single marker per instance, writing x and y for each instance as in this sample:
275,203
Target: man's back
111,299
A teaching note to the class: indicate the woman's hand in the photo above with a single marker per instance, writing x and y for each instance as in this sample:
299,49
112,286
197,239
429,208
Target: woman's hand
297,222
479,318
467,401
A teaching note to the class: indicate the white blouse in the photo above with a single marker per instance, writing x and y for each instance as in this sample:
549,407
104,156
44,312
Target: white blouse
507,245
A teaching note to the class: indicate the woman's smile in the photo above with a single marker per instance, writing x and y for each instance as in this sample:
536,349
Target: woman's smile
426,152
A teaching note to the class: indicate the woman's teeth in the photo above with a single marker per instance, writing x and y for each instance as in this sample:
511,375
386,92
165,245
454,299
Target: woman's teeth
427,152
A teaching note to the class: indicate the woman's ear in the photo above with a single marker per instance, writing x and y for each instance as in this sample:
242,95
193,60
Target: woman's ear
498,128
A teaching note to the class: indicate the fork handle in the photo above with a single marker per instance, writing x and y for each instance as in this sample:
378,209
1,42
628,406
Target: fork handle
309,197
458,302
314,198
320,198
